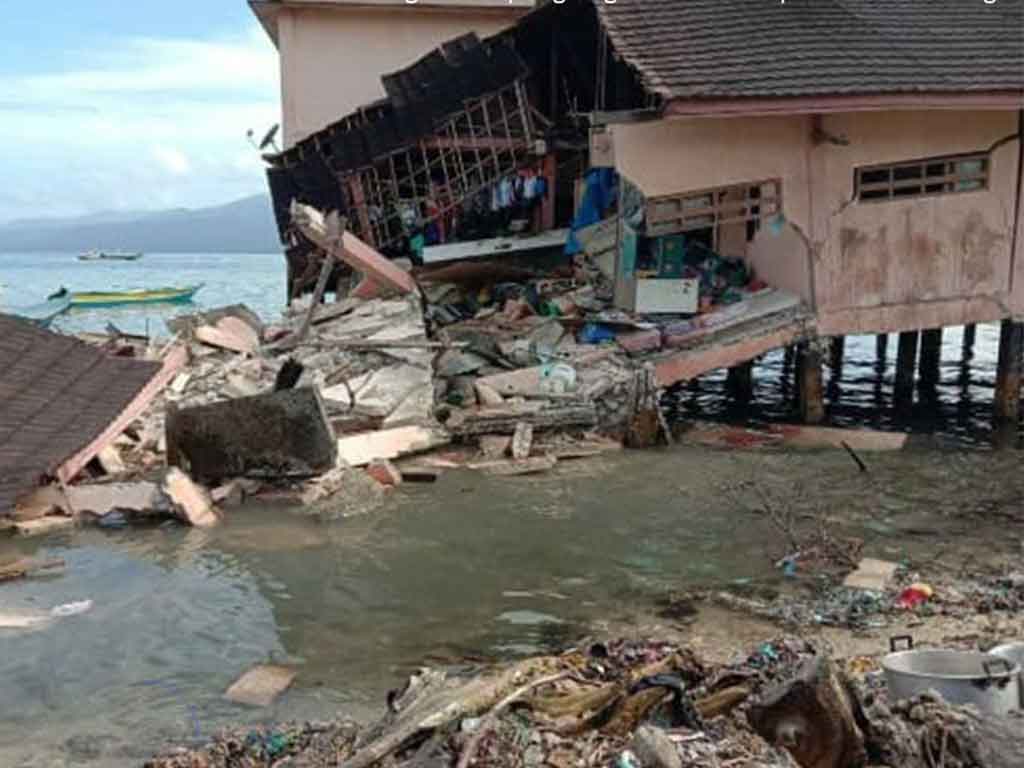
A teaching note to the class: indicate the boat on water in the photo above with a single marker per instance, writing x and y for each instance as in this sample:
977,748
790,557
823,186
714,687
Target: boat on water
110,256
43,314
99,299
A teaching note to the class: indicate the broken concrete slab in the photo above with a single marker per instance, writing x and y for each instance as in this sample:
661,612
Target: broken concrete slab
417,408
275,434
343,492
487,395
144,498
260,686
229,333
359,450
191,503
871,574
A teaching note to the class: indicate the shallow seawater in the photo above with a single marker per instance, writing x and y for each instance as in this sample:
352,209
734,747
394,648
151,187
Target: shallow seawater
859,391
256,279
470,567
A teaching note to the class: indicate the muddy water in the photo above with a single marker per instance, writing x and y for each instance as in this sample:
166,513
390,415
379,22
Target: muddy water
859,391
471,566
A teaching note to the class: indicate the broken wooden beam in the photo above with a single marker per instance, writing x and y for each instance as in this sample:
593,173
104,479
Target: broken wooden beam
361,449
277,434
505,420
174,360
351,250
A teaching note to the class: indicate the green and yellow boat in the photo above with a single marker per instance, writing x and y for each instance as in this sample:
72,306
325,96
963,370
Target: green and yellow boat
101,299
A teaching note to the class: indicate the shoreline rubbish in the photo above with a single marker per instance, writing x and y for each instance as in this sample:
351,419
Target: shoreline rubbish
638,704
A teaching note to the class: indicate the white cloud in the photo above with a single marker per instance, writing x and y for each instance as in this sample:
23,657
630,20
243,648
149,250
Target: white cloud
174,161
147,123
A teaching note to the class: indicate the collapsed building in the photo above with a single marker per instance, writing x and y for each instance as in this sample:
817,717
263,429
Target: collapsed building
730,178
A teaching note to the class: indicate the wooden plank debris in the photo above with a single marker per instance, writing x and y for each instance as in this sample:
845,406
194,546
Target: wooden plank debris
110,459
19,569
192,503
260,686
229,333
513,467
44,525
359,450
274,434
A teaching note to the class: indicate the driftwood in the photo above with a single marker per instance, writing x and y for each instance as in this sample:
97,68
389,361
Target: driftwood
440,703
19,569
492,716
504,421
812,716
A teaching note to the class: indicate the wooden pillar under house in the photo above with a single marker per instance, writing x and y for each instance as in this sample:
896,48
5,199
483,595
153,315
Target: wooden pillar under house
931,357
1008,373
740,381
812,399
906,362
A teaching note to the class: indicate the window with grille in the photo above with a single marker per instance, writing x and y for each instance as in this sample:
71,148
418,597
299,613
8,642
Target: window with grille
933,176
711,208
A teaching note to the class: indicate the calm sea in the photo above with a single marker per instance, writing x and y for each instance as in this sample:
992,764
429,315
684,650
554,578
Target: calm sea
256,279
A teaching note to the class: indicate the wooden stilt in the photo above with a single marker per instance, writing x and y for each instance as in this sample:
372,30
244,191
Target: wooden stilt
740,381
970,332
881,346
1008,373
906,360
837,349
812,402
931,357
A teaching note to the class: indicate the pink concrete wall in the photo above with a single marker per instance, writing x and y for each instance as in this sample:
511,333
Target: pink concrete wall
920,262
866,267
332,56
671,156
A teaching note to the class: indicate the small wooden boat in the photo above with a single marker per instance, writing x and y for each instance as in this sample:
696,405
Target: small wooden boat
44,313
97,299
110,256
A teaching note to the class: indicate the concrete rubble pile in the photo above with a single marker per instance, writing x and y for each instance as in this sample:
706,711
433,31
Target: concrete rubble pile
638,704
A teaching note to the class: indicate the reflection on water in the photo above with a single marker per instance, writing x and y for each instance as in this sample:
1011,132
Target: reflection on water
859,389
472,566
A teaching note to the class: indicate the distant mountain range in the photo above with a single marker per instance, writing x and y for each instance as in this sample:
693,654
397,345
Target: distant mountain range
244,226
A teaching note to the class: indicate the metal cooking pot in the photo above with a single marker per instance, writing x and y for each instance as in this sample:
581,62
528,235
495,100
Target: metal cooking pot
1014,653
989,682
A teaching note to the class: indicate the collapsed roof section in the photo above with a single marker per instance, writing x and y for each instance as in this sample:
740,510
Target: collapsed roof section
452,124
59,399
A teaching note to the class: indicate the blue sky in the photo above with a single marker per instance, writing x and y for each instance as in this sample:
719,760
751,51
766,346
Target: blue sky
131,104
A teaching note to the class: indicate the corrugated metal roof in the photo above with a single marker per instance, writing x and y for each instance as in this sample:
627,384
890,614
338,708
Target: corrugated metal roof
57,394
763,48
